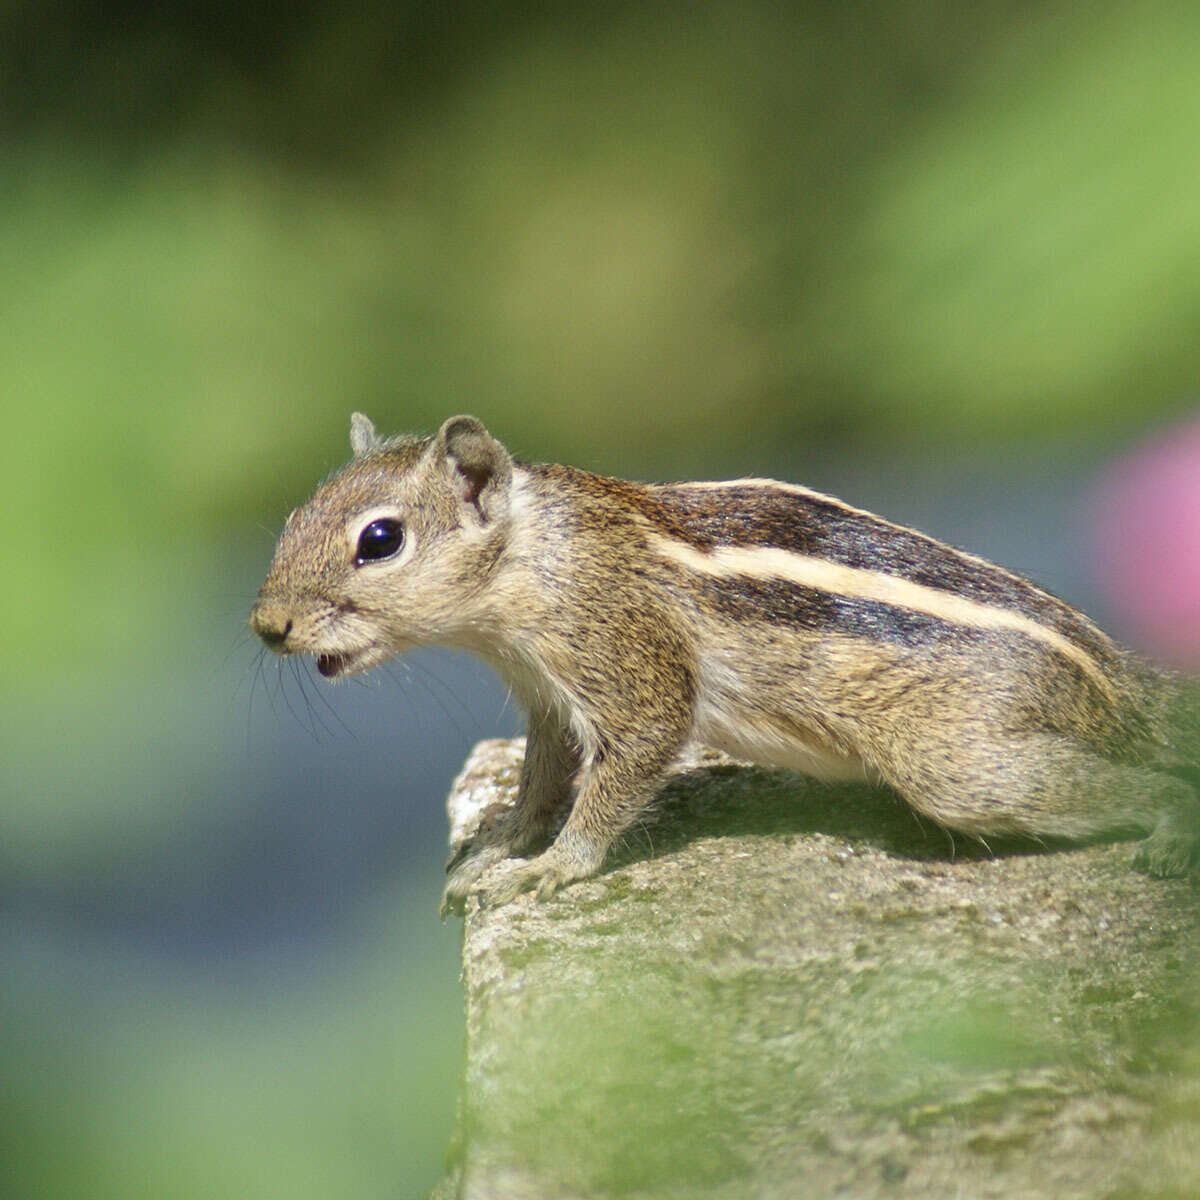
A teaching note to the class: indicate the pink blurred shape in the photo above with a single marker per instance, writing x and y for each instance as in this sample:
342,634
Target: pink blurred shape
1147,531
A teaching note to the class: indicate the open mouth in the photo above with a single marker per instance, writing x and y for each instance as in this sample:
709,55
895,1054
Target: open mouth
352,662
332,665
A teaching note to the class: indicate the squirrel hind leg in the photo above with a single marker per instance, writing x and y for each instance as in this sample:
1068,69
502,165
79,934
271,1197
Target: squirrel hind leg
1173,847
1043,784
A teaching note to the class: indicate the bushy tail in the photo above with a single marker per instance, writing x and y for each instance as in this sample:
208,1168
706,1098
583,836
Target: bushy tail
1178,702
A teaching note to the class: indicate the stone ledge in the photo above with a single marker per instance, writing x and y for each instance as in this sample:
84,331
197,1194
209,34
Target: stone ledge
780,988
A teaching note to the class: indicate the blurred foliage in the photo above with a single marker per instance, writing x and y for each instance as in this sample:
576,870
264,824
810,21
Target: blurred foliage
649,239
322,1076
633,237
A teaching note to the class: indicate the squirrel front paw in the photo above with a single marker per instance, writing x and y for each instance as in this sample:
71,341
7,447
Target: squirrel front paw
544,875
561,864
465,867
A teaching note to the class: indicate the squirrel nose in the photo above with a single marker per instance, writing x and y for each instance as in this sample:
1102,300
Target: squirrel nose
271,624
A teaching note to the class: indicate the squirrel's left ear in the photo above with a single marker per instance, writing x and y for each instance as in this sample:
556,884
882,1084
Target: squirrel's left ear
480,468
363,438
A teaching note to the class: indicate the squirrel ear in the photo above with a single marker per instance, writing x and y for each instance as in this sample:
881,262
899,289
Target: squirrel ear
363,438
480,468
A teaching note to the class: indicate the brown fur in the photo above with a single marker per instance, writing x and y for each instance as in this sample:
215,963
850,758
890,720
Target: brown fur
766,619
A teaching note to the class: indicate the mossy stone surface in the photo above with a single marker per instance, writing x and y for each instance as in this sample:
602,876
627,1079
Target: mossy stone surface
778,988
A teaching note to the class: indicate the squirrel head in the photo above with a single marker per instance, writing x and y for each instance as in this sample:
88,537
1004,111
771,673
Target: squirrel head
394,550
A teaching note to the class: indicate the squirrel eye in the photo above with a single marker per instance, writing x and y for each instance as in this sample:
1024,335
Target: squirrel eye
380,539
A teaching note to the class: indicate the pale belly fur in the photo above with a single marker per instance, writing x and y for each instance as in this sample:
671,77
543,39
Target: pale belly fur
755,740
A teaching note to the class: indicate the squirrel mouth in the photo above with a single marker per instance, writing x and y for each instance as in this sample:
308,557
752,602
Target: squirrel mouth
332,665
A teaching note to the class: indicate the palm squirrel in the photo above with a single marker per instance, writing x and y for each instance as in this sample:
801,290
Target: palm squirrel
767,620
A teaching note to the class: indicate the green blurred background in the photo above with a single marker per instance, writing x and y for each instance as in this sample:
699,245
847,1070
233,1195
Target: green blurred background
940,253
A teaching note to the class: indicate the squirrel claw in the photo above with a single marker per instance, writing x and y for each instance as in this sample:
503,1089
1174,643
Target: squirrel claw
543,875
466,865
545,881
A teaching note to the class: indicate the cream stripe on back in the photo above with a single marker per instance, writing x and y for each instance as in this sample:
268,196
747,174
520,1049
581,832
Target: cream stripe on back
804,493
770,562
